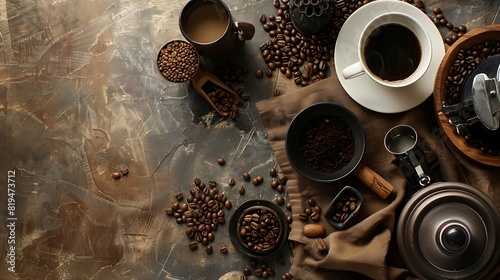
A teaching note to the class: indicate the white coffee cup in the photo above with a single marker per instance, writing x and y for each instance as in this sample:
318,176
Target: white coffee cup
389,51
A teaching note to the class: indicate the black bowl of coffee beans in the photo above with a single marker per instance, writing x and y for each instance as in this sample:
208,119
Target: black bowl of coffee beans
344,207
325,142
178,61
258,228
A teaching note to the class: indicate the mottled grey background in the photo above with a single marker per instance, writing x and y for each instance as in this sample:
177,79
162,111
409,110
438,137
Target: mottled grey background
80,96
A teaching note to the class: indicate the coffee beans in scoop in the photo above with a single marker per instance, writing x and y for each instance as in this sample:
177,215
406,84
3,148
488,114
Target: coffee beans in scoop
178,61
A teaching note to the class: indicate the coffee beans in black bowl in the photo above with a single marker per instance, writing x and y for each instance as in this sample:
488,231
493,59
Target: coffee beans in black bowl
344,207
178,61
258,228
325,142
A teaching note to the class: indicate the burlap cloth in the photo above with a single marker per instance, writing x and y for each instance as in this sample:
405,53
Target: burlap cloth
367,249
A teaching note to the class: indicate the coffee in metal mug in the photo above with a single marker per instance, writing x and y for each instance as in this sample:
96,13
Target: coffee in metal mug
209,26
401,141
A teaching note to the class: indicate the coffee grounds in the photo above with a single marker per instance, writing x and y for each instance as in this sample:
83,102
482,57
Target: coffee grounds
326,144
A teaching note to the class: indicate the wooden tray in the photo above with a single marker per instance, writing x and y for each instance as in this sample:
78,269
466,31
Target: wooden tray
471,38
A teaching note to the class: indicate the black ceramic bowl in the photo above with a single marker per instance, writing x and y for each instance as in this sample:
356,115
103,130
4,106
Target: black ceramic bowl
299,124
249,207
338,203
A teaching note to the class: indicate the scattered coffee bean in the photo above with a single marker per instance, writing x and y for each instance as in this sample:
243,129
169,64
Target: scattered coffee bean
289,206
224,250
221,161
124,171
116,174
246,176
275,184
315,216
259,73
212,183
269,72
262,18
209,249
197,181
272,172
283,179
255,182
303,217
175,207
311,202
260,179
193,245
179,196
289,219
280,200
169,212
247,271
232,182
253,264
280,188
178,61
228,204
321,245
242,190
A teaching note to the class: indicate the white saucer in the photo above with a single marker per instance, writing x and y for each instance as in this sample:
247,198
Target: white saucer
364,90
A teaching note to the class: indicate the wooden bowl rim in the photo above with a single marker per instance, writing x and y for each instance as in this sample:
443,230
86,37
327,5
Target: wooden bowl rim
469,39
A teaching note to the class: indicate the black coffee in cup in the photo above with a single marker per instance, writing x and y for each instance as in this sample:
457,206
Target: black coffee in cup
392,52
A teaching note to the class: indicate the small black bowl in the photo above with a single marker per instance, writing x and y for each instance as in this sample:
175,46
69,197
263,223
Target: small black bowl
297,127
333,209
237,218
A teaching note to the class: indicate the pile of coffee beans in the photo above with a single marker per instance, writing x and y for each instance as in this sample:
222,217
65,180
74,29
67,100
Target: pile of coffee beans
326,143
465,62
260,229
344,206
300,57
222,99
305,57
178,61
202,212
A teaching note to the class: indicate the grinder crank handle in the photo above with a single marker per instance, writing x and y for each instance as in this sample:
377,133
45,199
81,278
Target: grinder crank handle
373,181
